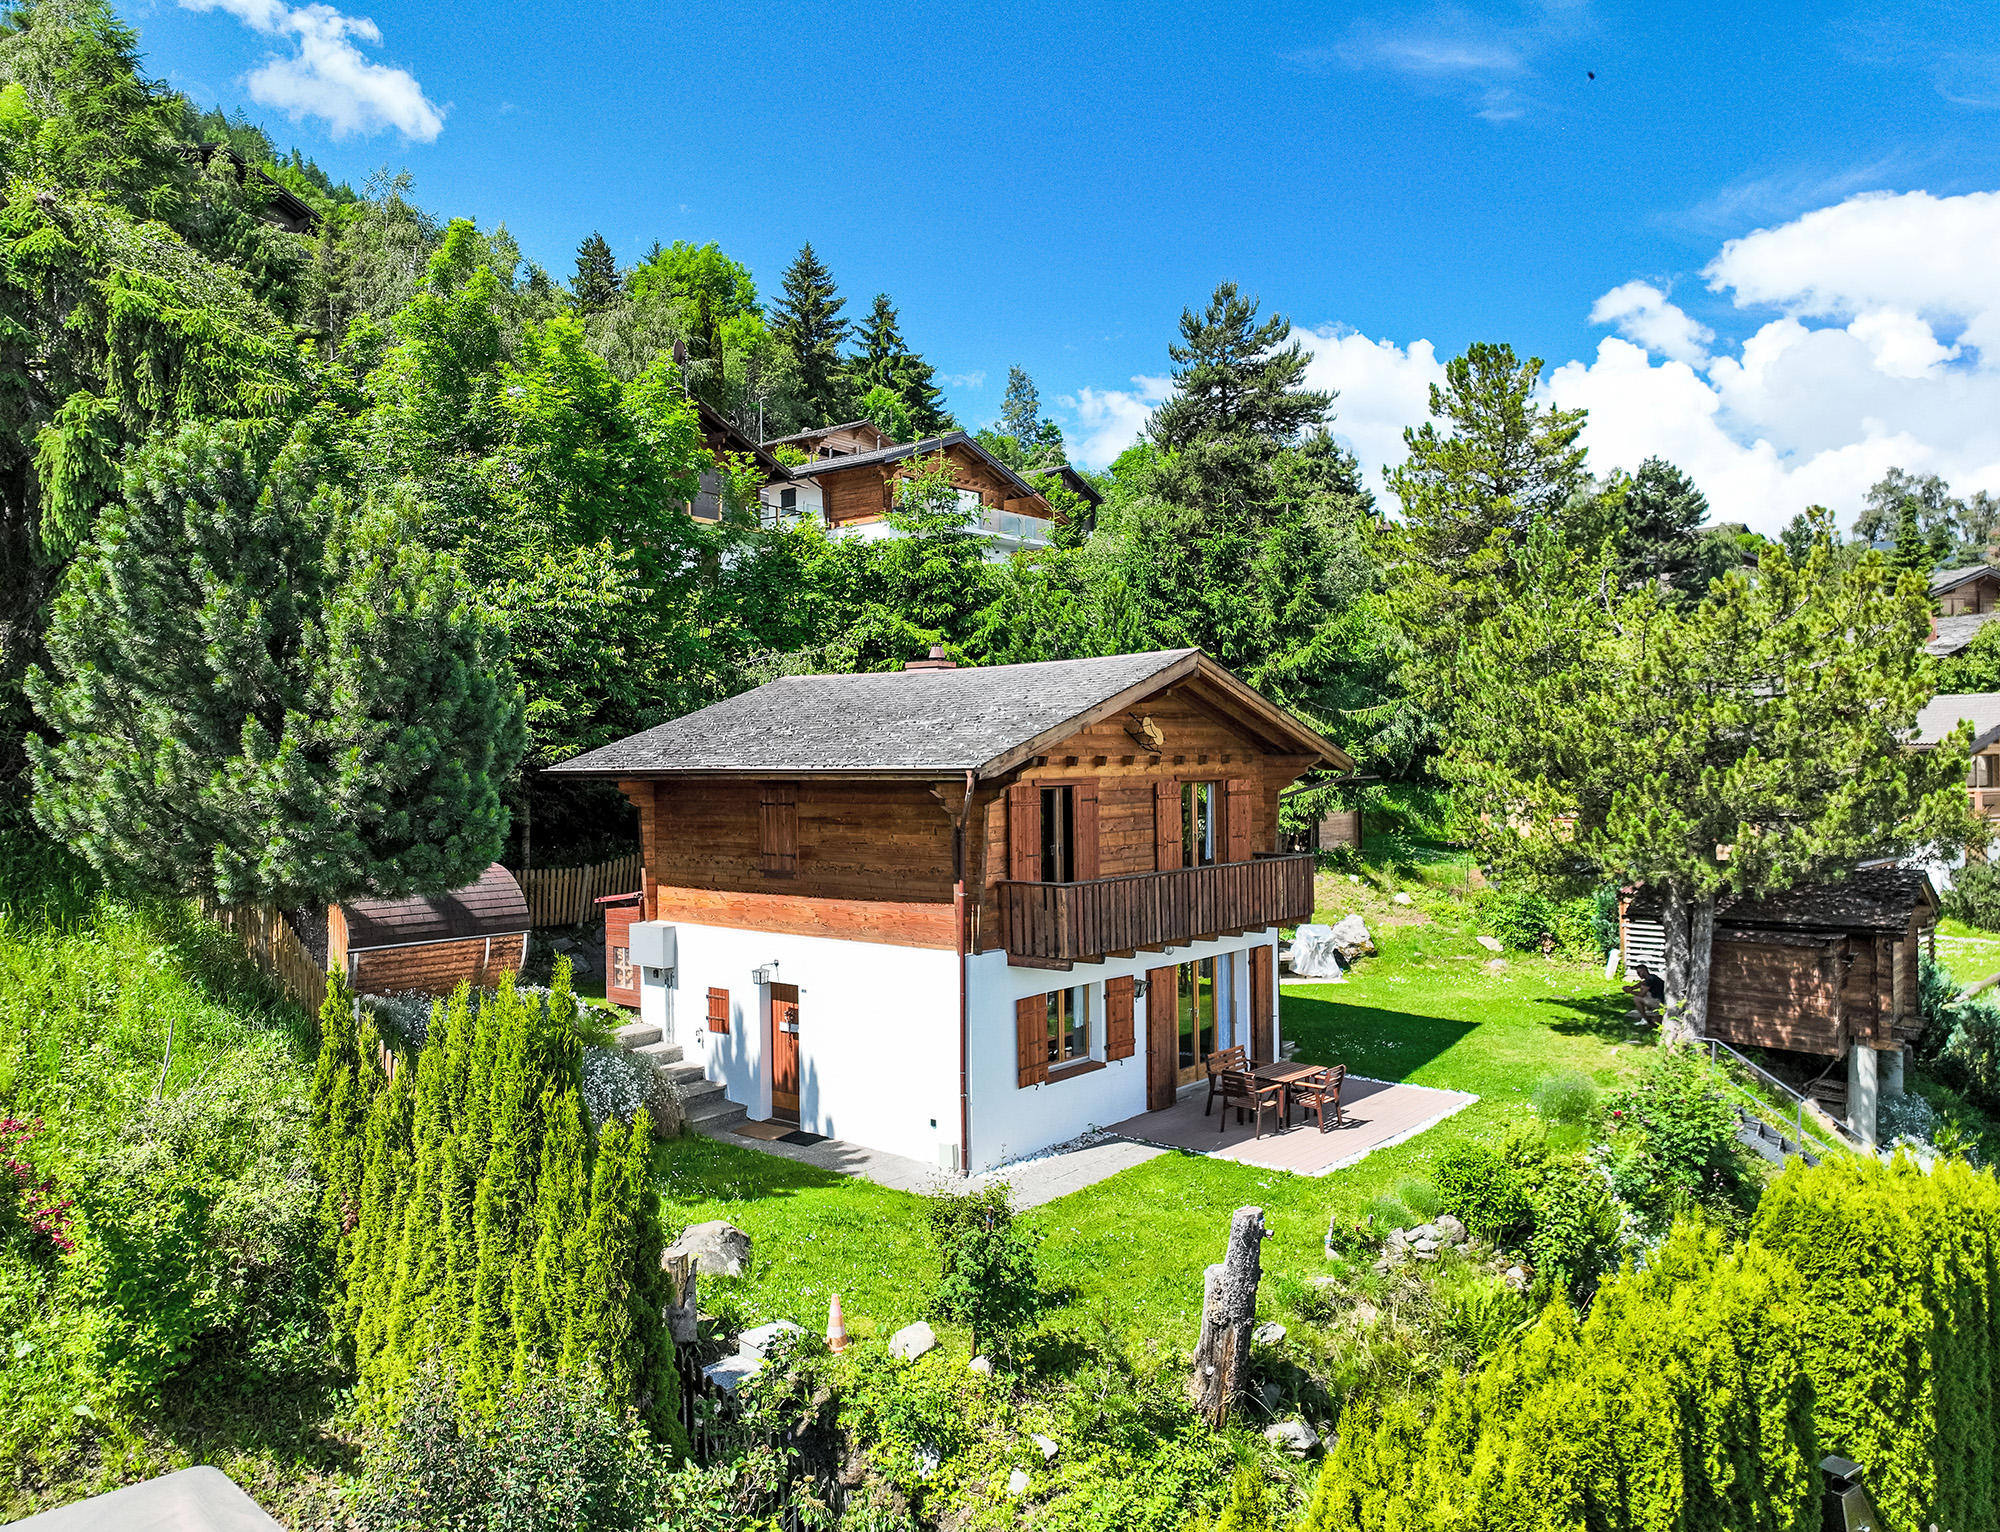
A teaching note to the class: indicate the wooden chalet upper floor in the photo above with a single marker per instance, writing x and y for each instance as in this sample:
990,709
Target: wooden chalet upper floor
1089,806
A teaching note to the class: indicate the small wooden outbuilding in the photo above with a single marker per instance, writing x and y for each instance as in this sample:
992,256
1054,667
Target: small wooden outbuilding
1814,970
432,943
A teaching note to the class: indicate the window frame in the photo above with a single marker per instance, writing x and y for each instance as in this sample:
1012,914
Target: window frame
1075,1001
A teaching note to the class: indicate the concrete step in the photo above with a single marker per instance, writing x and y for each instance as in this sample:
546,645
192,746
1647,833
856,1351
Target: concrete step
662,1053
636,1034
682,1075
698,1093
714,1114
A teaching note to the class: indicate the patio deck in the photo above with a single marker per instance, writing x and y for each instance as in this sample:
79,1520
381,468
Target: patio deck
1375,1113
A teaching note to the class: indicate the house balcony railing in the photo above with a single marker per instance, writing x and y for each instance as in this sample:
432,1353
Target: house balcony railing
1986,802
1057,924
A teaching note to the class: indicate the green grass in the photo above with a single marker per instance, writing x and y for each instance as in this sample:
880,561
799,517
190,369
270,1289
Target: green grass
1130,1251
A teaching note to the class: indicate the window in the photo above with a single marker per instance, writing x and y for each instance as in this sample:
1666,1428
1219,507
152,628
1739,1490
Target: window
970,503
1200,804
1069,1025
1058,835
788,499
1197,1008
621,968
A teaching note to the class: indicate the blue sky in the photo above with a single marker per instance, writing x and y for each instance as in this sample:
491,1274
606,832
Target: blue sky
1051,186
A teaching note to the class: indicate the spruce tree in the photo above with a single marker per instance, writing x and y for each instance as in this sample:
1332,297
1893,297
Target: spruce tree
1913,550
259,690
1234,377
1024,438
1659,532
596,284
884,360
806,322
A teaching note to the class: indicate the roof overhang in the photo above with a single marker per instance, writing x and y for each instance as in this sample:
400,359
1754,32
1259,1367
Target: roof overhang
886,456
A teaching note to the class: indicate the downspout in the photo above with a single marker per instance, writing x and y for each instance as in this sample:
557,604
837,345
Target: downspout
964,962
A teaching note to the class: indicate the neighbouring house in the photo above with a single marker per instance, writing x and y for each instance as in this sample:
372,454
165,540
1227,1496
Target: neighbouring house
1954,635
283,207
1825,975
963,914
1944,713
1971,591
431,943
722,439
850,487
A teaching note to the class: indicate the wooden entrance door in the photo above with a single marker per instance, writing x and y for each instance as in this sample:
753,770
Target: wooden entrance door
1195,992
785,1052
1162,1039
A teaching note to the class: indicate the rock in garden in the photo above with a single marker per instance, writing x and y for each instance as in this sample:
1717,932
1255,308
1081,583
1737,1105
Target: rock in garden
1017,1482
1402,898
1047,1445
1351,940
1450,1228
759,1340
912,1341
1397,1239
719,1249
1426,1231
1490,943
1293,1437
1312,954
981,1365
1517,1279
1269,1333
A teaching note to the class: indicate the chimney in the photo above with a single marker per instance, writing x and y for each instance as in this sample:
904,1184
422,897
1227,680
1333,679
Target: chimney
937,661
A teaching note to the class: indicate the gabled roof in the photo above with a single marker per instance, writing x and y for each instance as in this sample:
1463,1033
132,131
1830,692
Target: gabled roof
821,466
720,425
1947,579
1075,482
1871,899
1939,716
1950,635
817,432
931,723
491,905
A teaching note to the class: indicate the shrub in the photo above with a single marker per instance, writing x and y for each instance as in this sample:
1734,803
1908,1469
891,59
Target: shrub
1389,1212
1674,1132
1420,1196
551,1458
1485,1188
1524,921
1974,895
1576,1227
987,1279
1567,1099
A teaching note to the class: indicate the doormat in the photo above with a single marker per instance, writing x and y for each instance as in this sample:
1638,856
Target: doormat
801,1138
768,1131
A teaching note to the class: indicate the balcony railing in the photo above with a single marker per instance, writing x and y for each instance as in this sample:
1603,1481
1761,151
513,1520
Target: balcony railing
1986,802
1056,924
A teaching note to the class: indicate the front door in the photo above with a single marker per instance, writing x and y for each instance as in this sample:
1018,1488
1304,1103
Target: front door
1196,987
1162,1068
785,1052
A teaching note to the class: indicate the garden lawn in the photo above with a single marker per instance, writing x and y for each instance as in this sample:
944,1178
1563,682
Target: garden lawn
1128,1253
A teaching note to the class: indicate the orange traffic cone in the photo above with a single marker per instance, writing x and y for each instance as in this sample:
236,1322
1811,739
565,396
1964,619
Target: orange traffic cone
836,1327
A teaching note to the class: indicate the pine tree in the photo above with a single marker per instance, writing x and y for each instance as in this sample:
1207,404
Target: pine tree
261,691
1234,377
806,322
885,360
1659,532
596,284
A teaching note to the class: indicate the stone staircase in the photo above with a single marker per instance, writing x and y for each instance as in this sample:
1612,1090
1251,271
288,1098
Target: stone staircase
708,1111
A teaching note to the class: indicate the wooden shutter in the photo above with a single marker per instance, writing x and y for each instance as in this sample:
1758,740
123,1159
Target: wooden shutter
718,1010
1166,826
1163,1037
1024,832
1263,1039
778,827
1084,798
1031,1040
1118,1018
1242,803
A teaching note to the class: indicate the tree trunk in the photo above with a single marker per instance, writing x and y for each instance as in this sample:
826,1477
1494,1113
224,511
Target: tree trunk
1689,920
1228,1310
684,1304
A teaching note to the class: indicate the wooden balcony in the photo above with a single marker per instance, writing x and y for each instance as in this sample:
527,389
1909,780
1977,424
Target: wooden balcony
1986,802
1052,925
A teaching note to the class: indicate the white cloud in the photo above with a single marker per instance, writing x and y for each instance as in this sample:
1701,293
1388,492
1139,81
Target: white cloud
1486,60
966,380
1111,418
1641,313
326,75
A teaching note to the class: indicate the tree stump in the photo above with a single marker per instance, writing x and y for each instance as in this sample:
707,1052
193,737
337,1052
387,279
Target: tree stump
1228,1310
683,1309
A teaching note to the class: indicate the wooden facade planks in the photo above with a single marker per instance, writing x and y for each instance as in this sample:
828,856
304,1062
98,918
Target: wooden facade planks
859,920
437,968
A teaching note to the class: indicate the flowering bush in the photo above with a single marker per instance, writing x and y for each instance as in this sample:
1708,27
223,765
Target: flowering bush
40,1207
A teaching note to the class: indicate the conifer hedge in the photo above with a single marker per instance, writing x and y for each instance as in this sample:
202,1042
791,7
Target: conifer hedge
474,1218
1861,1317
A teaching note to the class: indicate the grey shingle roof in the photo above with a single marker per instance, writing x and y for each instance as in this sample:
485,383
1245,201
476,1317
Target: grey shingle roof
1873,898
491,905
1945,579
901,450
1955,632
913,722
1939,716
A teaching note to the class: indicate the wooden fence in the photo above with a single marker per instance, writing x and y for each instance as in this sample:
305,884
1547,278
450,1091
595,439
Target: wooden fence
275,948
567,896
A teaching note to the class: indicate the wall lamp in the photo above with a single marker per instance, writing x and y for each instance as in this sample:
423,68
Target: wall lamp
765,974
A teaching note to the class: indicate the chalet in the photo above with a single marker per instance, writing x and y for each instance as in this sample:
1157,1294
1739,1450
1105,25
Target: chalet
962,914
431,943
723,440
1825,972
836,441
1954,635
1971,591
850,487
1944,713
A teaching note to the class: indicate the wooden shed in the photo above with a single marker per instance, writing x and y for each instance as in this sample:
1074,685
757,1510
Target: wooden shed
1816,969
432,943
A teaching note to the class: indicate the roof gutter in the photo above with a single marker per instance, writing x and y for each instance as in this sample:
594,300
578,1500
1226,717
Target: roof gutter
964,984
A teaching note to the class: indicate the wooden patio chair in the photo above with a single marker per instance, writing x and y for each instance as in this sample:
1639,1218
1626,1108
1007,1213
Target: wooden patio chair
1224,1058
1240,1090
1319,1091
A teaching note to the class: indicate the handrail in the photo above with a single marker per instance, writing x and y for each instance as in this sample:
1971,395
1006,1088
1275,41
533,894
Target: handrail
1082,921
1716,1044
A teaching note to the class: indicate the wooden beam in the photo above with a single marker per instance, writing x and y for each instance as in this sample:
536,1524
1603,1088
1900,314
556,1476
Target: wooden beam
1014,960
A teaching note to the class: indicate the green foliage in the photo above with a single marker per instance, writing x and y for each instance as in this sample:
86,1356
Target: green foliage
596,284
1974,895
1527,921
883,360
1673,1133
1566,1099
885,408
1576,1227
551,1457
489,1232
1249,1506
987,1279
260,691
806,322
1960,1044
1487,1189
1659,534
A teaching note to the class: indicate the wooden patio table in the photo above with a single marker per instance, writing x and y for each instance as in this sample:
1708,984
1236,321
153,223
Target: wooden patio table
1282,1075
